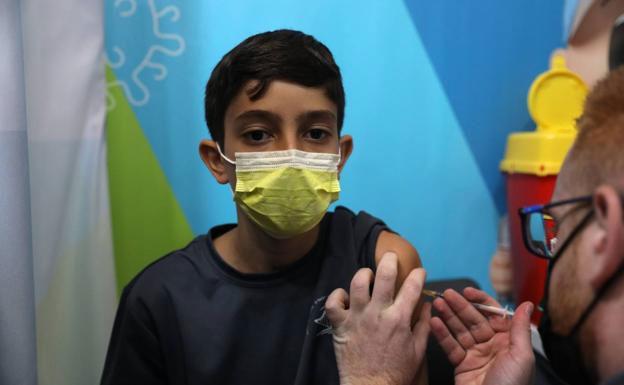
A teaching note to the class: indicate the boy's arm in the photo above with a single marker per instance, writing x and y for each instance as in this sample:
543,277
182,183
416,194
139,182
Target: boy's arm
407,255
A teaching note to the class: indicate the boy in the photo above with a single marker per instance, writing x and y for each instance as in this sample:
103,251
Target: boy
245,303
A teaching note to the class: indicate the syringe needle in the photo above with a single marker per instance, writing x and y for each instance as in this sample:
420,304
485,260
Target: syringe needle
505,312
493,309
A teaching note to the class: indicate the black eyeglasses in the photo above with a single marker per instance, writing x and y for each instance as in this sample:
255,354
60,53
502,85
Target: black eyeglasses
539,228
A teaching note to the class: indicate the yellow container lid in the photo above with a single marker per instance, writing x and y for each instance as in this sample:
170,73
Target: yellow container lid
555,101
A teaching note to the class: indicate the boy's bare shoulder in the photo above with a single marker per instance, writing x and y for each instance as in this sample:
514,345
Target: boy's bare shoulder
408,256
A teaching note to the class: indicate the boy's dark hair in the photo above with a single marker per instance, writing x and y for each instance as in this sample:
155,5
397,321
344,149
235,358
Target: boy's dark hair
277,55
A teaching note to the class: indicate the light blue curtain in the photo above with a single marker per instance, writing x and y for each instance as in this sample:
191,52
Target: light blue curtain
17,303
57,284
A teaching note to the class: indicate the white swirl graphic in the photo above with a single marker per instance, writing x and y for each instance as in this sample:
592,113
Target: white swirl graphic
139,93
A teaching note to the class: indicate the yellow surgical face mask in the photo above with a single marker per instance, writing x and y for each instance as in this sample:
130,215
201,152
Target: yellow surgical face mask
286,193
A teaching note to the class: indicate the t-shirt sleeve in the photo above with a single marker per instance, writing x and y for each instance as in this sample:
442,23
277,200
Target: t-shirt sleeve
134,355
366,231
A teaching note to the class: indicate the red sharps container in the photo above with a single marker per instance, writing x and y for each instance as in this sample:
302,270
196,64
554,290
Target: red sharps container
532,162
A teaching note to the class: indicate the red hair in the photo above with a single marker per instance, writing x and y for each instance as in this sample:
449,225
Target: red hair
597,155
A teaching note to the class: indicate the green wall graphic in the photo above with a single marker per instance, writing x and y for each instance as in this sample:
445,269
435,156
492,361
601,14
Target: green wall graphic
147,219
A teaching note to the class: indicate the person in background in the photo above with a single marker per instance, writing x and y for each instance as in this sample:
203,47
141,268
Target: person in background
501,269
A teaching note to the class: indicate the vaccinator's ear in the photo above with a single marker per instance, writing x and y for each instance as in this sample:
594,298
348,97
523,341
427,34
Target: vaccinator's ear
346,148
607,239
213,161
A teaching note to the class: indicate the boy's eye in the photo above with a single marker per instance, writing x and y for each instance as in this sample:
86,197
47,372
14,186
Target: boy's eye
257,135
316,133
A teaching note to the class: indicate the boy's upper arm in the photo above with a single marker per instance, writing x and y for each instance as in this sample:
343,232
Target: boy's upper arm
407,254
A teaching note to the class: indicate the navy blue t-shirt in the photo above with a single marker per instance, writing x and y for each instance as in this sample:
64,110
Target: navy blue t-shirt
190,318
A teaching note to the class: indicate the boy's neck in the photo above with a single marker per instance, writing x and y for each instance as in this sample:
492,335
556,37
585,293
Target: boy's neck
248,249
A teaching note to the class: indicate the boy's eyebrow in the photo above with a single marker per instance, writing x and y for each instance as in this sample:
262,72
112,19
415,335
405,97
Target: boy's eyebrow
259,115
317,115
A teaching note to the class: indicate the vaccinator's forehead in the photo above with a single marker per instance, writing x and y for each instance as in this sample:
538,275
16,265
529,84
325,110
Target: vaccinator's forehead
564,184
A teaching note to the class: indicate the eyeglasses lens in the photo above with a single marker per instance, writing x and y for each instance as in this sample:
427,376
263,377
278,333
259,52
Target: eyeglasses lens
541,234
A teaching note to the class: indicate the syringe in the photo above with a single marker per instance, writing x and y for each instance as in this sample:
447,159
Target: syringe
505,312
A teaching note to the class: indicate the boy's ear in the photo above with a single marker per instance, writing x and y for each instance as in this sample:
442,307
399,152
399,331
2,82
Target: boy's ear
346,148
607,241
213,161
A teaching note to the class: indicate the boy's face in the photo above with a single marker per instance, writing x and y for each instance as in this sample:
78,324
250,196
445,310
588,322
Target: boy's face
288,116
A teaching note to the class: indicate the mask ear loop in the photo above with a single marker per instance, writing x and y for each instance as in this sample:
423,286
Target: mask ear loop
339,154
229,161
233,163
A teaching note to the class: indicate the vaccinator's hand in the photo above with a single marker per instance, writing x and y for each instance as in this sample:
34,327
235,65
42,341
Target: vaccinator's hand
374,341
485,350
